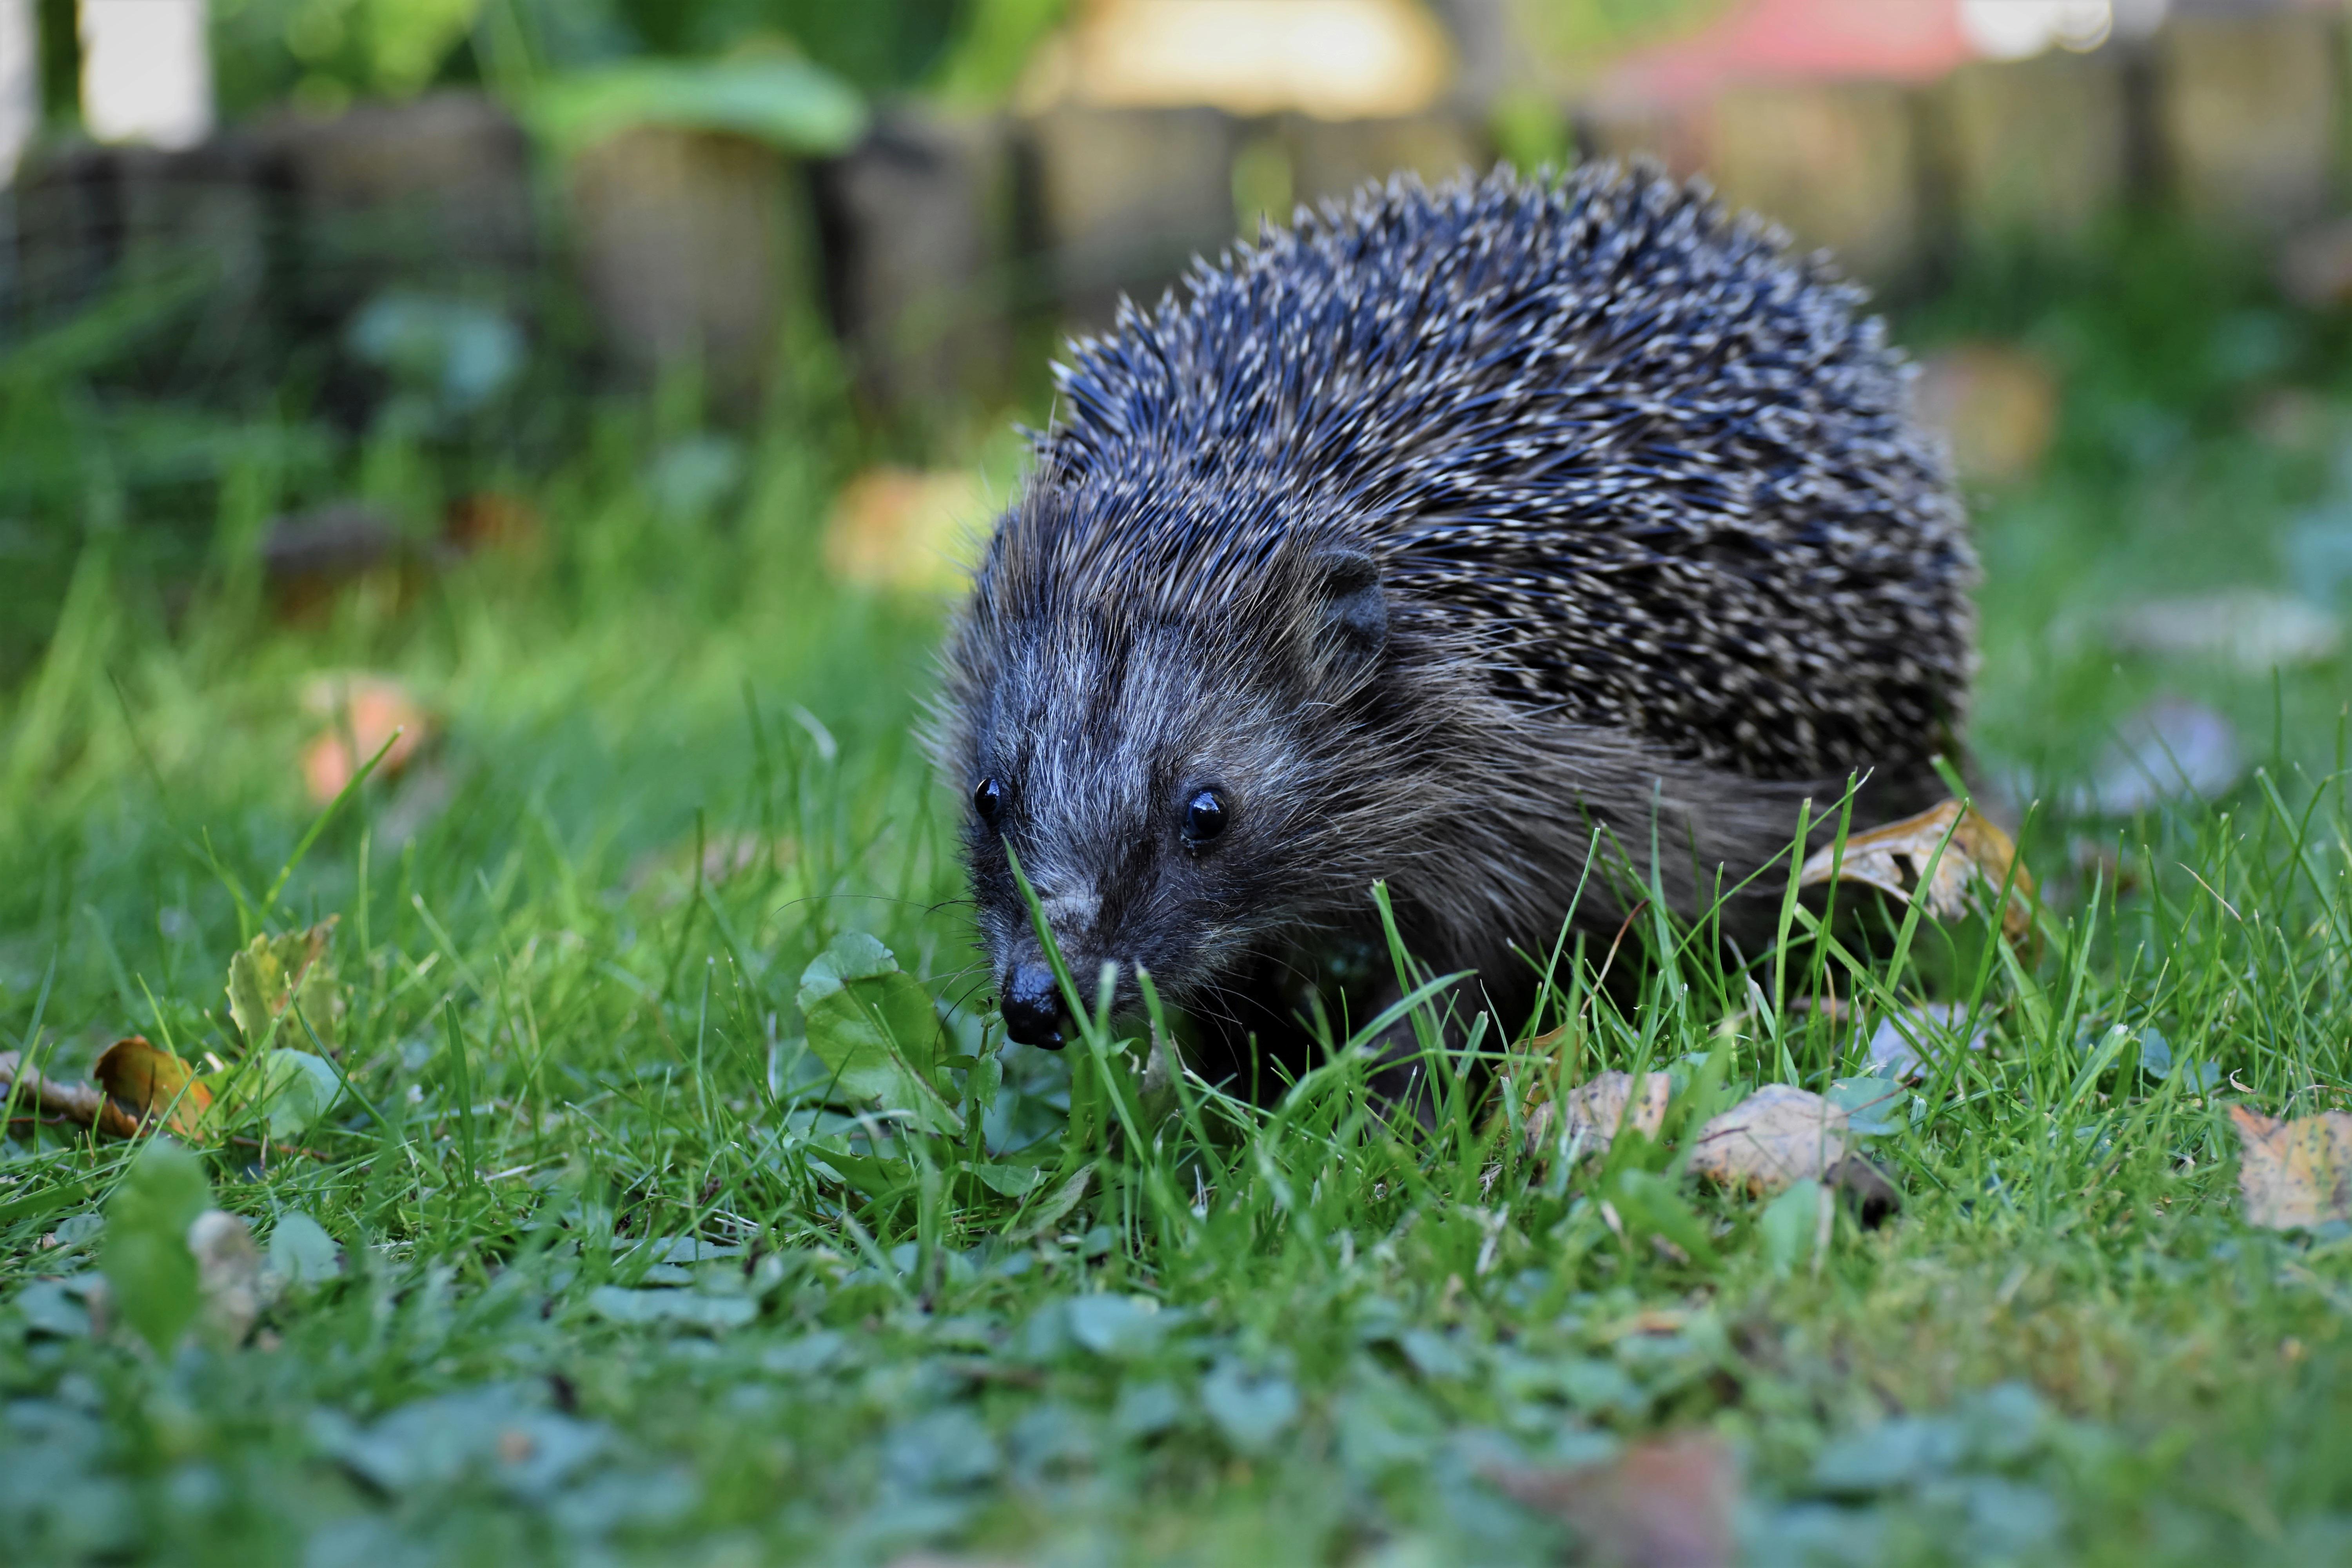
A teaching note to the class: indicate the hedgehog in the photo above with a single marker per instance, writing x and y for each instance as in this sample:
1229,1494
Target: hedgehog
1532,546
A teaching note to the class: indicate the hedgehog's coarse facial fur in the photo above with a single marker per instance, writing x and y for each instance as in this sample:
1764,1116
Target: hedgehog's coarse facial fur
1095,725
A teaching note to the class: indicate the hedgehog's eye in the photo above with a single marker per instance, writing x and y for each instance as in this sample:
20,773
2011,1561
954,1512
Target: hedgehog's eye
987,799
1204,816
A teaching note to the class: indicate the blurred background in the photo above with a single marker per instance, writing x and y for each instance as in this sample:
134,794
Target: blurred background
528,374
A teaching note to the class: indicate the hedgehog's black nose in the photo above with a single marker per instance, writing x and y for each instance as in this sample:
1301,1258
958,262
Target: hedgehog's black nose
1032,1005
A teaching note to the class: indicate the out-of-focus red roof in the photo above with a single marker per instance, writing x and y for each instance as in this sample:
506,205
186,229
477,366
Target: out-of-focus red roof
1811,41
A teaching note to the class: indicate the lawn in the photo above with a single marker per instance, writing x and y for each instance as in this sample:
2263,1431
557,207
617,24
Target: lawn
583,1253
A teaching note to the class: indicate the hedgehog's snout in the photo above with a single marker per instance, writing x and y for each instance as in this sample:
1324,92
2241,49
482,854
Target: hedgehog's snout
1032,1005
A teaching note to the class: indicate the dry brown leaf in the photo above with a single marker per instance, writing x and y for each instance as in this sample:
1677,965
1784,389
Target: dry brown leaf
1595,1109
147,1081
80,1102
1893,858
1668,1502
906,529
2294,1174
363,713
1776,1136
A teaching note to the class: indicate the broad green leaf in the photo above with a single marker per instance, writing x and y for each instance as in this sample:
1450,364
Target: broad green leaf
854,955
1012,1180
1648,1201
691,1308
1872,1105
1790,1226
271,970
1249,1411
146,1259
301,1252
40,1204
1118,1326
873,1176
47,1308
293,1089
876,1029
790,104
1057,1207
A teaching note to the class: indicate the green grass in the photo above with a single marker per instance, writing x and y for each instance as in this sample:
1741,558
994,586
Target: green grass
1279,1337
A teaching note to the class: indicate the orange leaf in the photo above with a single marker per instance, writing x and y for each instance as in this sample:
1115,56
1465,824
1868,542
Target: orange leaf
147,1083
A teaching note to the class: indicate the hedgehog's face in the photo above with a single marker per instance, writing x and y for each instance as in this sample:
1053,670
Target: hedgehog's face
1164,787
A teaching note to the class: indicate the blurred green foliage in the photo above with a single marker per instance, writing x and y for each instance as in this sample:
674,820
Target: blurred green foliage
323,53
327,52
1574,38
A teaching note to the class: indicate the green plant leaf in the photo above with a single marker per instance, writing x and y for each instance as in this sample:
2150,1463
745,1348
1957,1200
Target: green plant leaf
1648,1203
1012,1180
790,104
293,1089
146,1259
688,1307
1790,1226
875,1027
1872,1105
854,955
1249,1411
301,1252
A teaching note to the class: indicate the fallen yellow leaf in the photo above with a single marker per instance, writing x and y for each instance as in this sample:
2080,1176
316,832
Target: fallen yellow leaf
1895,858
2294,1174
1776,1136
1594,1111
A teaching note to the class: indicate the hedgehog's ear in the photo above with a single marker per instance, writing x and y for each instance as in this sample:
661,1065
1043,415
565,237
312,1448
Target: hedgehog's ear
1354,613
